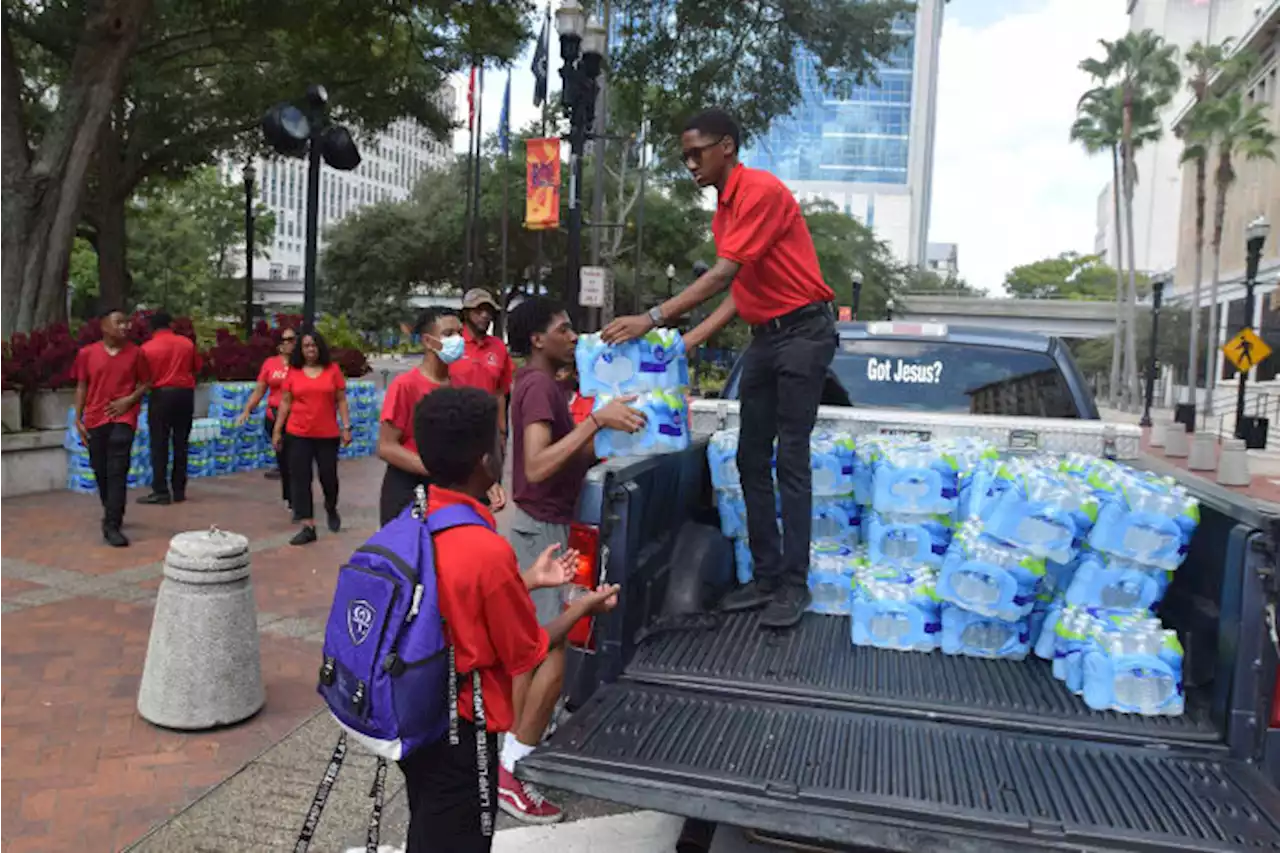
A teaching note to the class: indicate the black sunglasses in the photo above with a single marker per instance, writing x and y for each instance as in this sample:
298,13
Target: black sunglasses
695,153
285,339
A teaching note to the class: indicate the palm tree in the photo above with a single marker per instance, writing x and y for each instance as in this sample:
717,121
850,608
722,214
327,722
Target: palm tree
1234,129
1098,125
1145,71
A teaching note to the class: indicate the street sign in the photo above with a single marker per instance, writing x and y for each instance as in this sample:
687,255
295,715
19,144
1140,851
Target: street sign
592,286
1246,350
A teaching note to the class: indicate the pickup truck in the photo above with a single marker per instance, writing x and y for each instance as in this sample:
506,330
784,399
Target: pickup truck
804,739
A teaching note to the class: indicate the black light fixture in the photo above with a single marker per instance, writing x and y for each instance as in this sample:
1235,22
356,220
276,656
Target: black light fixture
1255,237
1157,299
888,309
293,132
671,279
250,173
582,43
857,292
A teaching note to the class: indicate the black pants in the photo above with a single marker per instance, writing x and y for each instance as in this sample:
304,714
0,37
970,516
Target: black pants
169,415
110,446
443,784
303,452
398,487
282,455
783,372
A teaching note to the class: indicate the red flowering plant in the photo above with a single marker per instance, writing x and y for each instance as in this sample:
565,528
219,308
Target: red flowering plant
43,359
351,362
233,360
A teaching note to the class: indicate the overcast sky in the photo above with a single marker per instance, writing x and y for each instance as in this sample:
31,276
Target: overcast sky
1008,186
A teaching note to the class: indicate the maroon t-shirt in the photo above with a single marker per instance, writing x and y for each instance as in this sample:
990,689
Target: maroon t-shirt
538,398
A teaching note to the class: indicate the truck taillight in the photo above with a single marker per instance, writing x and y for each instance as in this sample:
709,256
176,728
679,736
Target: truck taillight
585,539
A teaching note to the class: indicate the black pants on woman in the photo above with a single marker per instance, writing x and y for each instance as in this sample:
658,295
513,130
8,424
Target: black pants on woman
303,453
282,455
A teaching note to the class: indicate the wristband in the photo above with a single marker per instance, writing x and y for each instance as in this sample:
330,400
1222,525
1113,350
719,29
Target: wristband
594,421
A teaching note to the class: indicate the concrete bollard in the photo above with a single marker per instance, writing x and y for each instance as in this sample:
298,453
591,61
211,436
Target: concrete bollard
203,669
1233,465
1177,441
1204,456
1158,430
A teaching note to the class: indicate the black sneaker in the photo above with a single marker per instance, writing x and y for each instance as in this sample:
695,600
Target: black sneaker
305,536
272,474
157,498
753,596
787,608
179,498
335,521
114,537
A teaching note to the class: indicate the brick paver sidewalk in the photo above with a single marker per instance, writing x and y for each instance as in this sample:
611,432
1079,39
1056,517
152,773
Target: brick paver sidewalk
1264,488
81,770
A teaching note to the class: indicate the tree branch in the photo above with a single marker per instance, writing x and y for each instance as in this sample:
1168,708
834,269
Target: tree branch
13,133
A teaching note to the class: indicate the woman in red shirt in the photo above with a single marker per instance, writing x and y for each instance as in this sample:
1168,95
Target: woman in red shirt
271,385
313,412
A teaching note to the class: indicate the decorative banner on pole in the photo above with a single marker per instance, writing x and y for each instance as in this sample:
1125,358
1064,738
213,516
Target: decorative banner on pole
846,314
542,184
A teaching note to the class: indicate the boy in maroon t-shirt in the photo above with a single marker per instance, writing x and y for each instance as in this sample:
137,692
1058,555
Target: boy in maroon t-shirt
111,377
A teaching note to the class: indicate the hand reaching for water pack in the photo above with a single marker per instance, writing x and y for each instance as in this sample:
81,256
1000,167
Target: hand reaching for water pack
616,414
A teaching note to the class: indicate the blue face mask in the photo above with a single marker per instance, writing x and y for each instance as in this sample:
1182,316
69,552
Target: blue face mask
452,348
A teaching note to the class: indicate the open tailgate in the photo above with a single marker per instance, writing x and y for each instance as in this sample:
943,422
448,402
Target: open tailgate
900,784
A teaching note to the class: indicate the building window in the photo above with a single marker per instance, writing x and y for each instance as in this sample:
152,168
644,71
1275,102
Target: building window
276,272
294,273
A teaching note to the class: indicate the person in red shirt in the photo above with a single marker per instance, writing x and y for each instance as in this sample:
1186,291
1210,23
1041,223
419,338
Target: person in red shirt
174,363
485,606
111,377
271,385
765,252
313,411
485,364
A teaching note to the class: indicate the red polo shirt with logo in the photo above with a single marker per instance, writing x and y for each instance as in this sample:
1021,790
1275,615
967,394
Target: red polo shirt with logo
173,360
486,364
758,225
488,611
110,377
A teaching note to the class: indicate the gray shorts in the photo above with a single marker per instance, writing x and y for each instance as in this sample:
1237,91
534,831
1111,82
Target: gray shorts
530,537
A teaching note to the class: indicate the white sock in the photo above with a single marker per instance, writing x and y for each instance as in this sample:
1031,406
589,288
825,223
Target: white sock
512,751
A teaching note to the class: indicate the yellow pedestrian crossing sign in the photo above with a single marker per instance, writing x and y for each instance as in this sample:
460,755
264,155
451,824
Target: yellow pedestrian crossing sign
1246,350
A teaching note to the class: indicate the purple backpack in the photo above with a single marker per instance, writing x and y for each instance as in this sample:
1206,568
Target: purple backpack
388,674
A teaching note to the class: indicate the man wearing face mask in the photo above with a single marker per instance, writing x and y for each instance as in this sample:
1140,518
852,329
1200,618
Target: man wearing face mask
442,345
486,364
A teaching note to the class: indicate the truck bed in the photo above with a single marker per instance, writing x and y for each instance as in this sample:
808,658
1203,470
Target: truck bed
817,664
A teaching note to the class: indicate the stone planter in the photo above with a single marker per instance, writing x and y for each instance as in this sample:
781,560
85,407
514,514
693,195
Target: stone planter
12,411
203,391
49,408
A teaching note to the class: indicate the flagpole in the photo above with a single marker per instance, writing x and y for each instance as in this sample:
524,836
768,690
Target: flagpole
476,236
635,272
471,144
544,48
505,137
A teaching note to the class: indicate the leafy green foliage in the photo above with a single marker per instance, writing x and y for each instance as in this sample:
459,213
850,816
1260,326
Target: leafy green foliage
1068,276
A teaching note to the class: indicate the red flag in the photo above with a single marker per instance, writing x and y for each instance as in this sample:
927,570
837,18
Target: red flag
471,100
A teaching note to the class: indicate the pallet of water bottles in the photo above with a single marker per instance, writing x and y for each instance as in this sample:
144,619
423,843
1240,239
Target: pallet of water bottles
218,445
953,547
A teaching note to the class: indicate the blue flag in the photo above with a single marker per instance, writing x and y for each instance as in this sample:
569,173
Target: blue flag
504,120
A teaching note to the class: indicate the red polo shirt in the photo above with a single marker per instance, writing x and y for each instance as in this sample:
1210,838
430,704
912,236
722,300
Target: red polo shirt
403,395
758,224
486,364
488,611
173,360
313,411
273,374
110,377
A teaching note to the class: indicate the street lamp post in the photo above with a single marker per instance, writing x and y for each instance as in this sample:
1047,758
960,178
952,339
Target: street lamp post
857,292
671,279
1255,237
249,174
1157,296
582,43
295,133
888,309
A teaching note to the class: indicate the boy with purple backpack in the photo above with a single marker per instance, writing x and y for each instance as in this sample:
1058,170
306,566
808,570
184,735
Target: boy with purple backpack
484,602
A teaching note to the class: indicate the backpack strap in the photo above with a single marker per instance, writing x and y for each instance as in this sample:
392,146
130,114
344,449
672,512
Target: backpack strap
455,515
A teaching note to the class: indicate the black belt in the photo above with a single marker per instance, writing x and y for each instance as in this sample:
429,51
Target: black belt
777,324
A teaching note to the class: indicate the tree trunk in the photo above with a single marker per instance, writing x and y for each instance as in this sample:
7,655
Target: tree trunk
1131,302
1213,336
1113,387
43,190
107,201
1193,366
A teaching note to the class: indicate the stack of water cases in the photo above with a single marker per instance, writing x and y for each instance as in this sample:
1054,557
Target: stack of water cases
363,403
969,552
1100,628
835,537
200,454
653,369
238,448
